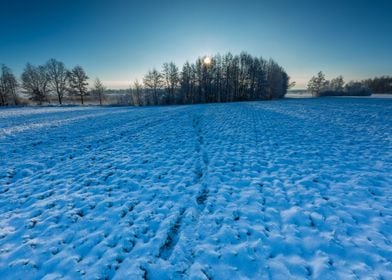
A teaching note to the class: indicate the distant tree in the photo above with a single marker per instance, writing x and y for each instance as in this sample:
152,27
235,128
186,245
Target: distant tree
317,83
232,78
99,89
187,83
319,87
210,79
172,79
226,79
198,68
8,86
78,82
277,80
3,88
260,79
58,78
337,84
356,89
153,80
216,78
35,81
379,84
137,93
245,75
292,84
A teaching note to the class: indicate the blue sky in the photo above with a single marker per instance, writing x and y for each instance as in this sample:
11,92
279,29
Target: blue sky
119,41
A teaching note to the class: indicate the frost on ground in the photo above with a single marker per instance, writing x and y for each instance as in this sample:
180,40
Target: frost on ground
286,189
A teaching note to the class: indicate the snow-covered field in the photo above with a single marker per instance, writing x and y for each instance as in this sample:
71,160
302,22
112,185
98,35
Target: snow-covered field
288,189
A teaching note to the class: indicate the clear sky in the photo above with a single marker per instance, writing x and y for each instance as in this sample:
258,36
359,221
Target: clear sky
119,41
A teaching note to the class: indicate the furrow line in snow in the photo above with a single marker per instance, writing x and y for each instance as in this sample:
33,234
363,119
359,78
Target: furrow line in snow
9,131
167,248
178,226
202,165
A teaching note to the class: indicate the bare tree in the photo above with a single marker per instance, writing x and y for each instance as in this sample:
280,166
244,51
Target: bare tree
99,89
58,78
187,83
78,82
354,88
35,81
276,80
381,84
137,96
232,78
337,84
172,79
317,83
153,81
8,86
292,84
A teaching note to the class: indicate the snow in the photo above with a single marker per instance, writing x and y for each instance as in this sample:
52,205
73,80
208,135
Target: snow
289,189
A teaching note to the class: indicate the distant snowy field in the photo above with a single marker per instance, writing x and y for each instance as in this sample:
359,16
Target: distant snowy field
290,189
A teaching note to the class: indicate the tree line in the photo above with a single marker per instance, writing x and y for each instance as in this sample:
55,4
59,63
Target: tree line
41,82
381,84
220,78
319,86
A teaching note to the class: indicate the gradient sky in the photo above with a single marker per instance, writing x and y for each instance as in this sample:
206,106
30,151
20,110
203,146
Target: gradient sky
119,41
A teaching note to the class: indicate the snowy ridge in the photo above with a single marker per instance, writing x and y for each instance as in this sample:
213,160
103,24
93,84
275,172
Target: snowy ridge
292,189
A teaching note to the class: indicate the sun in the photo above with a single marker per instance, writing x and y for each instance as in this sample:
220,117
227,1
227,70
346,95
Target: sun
207,60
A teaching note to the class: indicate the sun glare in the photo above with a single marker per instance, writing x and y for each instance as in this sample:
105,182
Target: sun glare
207,60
